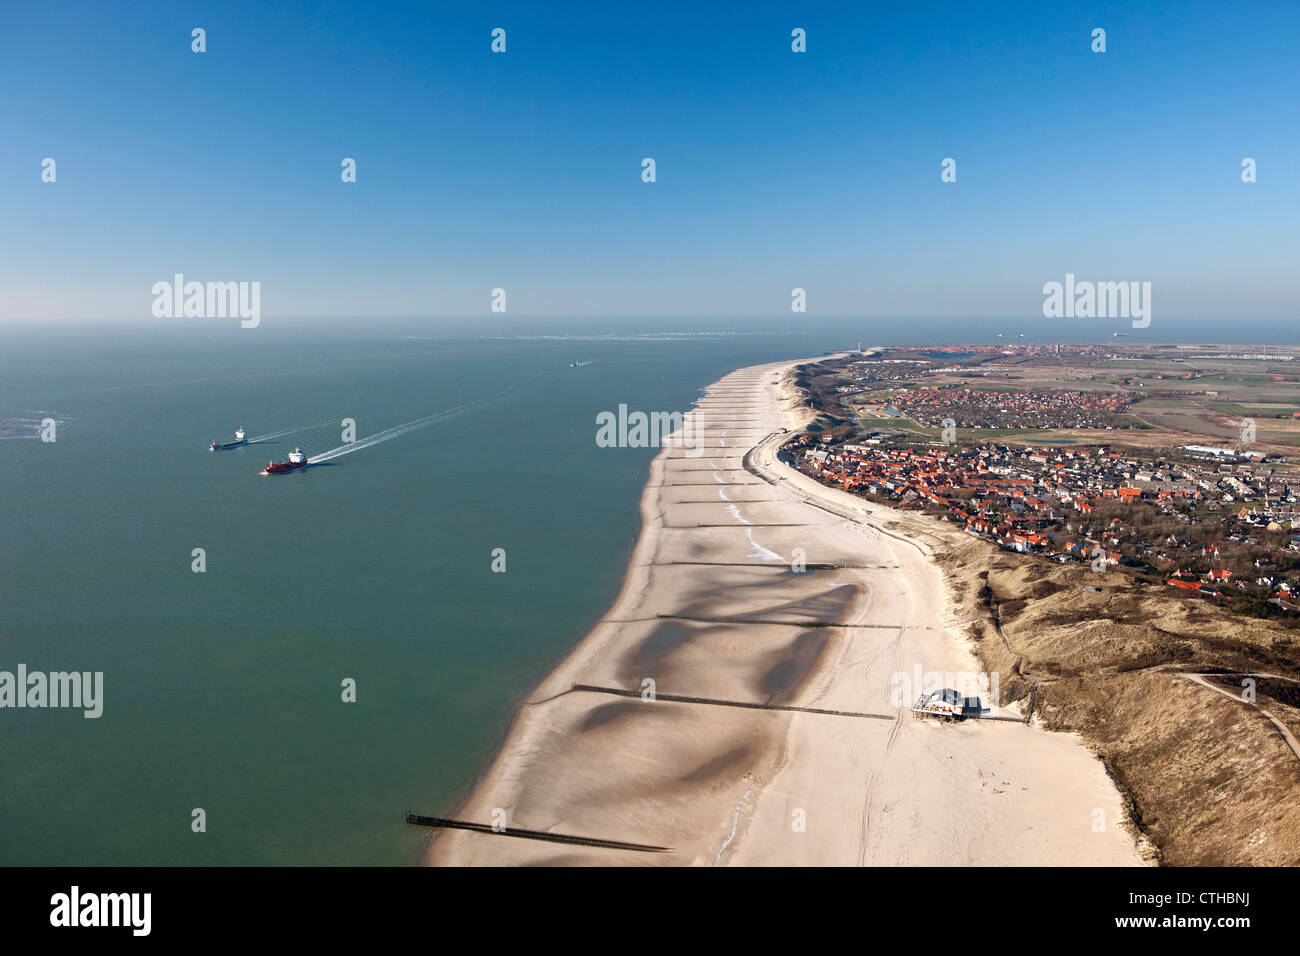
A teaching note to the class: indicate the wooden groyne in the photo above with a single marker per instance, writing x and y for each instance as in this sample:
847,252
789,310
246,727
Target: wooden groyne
715,702
753,705
443,823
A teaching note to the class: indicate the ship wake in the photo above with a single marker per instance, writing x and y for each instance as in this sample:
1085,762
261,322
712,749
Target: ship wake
389,433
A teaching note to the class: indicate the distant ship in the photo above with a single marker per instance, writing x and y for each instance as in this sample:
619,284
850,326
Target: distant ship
296,460
574,364
223,445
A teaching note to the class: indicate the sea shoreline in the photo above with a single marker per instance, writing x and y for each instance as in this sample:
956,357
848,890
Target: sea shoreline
719,617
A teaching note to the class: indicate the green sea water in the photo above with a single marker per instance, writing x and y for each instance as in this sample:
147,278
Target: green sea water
222,689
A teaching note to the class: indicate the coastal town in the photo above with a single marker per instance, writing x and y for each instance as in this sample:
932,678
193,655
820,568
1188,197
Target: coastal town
1038,408
1221,520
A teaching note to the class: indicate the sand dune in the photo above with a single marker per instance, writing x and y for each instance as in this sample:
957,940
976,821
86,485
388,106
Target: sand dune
715,606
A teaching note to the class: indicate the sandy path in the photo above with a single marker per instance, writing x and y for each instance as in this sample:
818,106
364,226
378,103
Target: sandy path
713,608
1281,727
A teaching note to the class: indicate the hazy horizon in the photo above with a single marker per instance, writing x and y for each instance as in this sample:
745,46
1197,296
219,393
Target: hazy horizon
869,331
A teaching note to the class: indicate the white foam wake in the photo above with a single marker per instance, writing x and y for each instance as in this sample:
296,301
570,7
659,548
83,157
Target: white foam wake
735,513
389,433
760,551
290,431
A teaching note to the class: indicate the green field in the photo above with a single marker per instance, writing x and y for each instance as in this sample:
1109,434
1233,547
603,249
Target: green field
889,423
1132,421
1235,409
1212,378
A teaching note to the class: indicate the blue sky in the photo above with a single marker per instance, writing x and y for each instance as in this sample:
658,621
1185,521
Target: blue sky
775,169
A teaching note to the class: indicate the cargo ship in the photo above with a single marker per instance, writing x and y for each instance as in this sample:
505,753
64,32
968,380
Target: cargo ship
240,439
296,461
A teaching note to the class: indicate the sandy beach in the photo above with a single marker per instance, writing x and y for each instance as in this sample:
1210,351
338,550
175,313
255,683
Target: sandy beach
714,607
